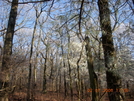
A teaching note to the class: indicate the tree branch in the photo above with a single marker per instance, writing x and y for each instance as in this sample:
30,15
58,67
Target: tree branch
2,30
80,18
29,1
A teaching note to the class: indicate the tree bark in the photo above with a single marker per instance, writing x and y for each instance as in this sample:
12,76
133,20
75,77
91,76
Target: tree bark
44,76
70,70
92,74
30,59
9,36
44,86
8,41
112,76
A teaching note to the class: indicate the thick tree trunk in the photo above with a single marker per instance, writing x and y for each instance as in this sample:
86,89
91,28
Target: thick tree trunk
8,41
9,36
113,78
92,74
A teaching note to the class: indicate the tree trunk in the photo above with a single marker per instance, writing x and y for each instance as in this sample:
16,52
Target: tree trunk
113,77
9,36
44,76
8,41
70,78
5,98
52,68
69,68
65,85
45,66
92,74
79,80
30,61
44,72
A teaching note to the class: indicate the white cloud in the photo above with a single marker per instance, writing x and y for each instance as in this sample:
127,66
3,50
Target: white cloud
121,28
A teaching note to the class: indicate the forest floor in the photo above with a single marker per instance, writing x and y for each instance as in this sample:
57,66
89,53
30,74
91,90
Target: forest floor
52,96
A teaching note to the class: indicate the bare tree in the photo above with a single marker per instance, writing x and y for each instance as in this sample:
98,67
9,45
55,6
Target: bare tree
9,36
113,77
92,74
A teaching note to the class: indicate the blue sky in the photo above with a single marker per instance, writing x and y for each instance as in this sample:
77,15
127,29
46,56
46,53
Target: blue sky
59,8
